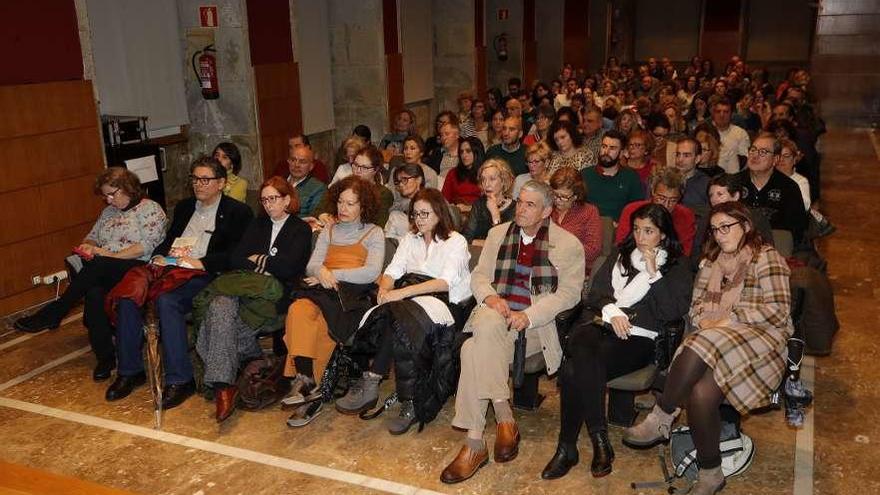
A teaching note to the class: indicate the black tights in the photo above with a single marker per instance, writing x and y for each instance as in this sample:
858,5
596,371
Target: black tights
593,357
691,382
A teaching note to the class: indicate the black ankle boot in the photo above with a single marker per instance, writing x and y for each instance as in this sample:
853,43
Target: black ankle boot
565,458
48,317
603,454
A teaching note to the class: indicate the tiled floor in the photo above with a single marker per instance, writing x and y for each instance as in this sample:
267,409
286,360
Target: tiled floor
78,434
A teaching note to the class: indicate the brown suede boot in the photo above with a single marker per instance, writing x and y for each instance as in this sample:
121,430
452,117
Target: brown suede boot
709,482
652,430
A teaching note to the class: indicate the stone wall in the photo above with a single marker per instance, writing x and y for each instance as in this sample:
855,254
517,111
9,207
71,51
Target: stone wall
501,71
454,52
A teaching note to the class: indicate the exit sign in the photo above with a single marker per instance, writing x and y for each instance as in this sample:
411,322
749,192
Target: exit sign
503,14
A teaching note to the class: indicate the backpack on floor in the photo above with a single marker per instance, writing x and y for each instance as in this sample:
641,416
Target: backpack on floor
737,451
262,383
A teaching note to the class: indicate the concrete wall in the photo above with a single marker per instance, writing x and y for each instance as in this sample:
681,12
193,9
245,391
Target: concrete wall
454,52
232,117
548,31
670,29
500,72
358,66
846,62
768,39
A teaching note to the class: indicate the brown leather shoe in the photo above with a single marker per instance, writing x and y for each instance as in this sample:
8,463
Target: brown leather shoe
226,400
506,441
465,465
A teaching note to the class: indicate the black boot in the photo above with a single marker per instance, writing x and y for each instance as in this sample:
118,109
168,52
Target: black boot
48,317
603,454
565,458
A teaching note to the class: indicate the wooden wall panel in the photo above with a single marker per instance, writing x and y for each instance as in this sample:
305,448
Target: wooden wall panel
279,110
530,44
39,42
50,152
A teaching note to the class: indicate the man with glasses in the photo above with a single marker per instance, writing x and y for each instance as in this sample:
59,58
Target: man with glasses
319,171
309,189
734,139
666,191
696,184
770,191
204,231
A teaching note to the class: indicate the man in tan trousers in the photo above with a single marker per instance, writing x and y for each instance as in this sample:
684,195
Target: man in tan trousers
529,271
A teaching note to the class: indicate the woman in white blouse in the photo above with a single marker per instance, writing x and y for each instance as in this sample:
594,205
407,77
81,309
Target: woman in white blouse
424,295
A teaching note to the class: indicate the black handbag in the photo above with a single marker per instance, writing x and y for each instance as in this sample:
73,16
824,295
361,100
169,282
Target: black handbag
417,278
667,342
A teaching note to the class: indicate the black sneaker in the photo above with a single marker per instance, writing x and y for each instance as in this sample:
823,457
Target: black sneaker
46,318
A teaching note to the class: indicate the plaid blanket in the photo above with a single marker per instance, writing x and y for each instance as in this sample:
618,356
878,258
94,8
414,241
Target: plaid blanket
544,276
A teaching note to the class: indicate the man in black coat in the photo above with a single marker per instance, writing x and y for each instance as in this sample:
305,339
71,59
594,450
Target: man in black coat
209,226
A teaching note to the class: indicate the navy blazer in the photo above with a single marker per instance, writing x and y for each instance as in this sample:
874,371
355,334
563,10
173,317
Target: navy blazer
232,219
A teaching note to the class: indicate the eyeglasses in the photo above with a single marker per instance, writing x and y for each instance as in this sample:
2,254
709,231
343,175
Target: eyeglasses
659,135
681,154
786,156
402,180
422,215
111,196
636,145
723,228
562,197
762,152
535,162
666,200
202,181
361,168
270,199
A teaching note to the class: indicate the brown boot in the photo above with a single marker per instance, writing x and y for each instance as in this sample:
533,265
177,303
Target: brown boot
709,482
465,464
506,441
652,430
226,400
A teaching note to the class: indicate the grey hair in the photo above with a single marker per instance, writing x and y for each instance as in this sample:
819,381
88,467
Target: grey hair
540,188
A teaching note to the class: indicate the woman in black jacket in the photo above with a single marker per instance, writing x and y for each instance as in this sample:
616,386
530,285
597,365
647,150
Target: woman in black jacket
272,254
638,290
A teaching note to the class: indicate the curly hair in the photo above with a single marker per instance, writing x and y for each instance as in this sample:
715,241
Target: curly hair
366,192
577,139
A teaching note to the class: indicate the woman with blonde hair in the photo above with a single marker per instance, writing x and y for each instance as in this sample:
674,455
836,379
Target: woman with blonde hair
538,161
495,205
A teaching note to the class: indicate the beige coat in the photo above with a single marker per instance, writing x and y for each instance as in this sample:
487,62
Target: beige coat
566,255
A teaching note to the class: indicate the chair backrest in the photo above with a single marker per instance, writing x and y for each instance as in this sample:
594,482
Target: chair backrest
475,256
390,248
608,232
783,241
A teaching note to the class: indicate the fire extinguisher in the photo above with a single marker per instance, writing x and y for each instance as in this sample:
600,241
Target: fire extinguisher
500,46
206,72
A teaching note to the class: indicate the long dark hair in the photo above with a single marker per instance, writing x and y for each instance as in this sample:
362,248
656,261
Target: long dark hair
660,217
470,174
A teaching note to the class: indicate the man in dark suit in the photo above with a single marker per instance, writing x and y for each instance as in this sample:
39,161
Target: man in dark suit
210,225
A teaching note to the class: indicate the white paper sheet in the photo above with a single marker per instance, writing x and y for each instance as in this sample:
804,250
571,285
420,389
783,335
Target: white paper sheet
144,167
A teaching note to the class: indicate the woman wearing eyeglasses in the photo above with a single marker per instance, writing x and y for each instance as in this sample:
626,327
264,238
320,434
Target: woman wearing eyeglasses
228,155
341,276
637,156
537,160
572,212
644,284
230,313
128,230
421,296
367,165
737,349
408,179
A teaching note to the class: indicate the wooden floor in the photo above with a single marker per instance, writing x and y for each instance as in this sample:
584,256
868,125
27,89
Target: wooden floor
54,421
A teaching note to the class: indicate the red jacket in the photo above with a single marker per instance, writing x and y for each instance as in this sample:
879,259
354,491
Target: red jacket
145,283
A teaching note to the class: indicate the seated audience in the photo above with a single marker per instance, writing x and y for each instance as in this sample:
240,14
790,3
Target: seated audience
710,143
480,121
414,152
434,142
495,205
351,147
610,186
574,214
666,191
510,149
460,187
204,230
445,157
408,179
770,190
540,131
230,313
367,166
593,130
788,158
737,351
228,155
309,189
319,170
497,127
521,284
341,274
537,159
420,296
403,125
696,184
643,286
568,147
638,157
124,236
734,139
